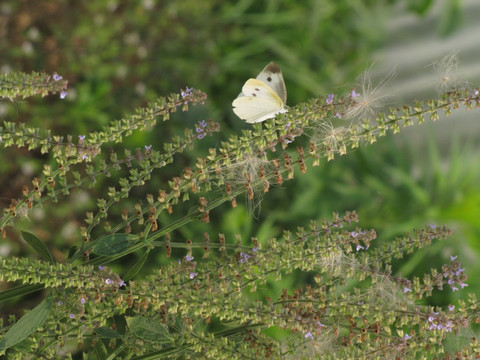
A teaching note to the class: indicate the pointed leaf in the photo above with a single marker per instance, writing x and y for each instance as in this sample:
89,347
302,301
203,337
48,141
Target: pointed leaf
100,351
137,267
112,244
149,329
19,291
106,332
23,346
29,322
72,251
38,246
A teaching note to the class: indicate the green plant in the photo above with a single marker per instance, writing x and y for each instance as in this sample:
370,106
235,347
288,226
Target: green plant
198,302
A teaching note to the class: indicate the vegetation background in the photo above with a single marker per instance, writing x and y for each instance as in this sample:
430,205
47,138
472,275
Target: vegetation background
118,55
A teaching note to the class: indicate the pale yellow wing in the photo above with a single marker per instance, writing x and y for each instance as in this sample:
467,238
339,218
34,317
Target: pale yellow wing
272,76
258,102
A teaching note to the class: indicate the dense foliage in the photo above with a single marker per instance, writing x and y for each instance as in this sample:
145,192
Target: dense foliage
177,231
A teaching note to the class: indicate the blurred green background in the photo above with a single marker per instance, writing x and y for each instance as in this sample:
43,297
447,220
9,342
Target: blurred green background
118,55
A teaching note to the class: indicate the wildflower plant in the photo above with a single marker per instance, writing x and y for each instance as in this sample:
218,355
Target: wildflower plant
199,304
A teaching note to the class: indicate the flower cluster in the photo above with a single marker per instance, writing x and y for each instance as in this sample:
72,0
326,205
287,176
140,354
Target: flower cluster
244,257
14,84
200,129
454,274
186,92
437,321
353,299
323,312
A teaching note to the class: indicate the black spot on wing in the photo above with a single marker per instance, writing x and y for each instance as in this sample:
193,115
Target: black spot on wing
272,68
255,91
269,79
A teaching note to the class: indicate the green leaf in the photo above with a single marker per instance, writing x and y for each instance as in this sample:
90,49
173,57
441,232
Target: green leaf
112,244
106,332
19,291
30,322
72,251
23,346
137,267
149,329
38,246
451,17
100,351
420,6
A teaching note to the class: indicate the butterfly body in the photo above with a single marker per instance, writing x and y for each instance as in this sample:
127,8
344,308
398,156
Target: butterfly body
262,98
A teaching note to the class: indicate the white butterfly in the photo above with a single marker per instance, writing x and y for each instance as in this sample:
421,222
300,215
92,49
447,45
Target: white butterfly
262,98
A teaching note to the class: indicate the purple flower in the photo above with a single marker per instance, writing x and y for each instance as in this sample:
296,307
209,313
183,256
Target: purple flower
108,281
101,267
459,271
57,77
320,325
354,94
406,337
451,307
329,99
308,335
432,226
476,92
71,316
187,92
353,234
359,247
201,133
405,290
83,300
148,147
59,303
188,257
81,137
63,94
121,283
244,257
338,115
463,285
454,288
453,258
192,275
254,249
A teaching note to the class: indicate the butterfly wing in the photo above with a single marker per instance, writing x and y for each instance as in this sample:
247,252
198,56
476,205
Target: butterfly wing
257,102
272,76
254,110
